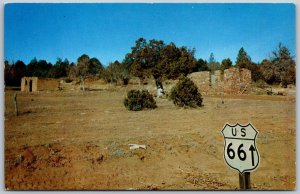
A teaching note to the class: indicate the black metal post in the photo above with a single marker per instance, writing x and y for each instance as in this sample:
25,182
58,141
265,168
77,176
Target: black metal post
244,181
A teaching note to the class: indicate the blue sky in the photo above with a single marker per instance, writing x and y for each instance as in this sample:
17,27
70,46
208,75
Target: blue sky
108,31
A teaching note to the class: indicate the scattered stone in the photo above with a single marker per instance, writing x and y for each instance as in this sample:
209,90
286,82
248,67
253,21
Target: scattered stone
56,159
29,157
142,157
19,160
136,146
100,158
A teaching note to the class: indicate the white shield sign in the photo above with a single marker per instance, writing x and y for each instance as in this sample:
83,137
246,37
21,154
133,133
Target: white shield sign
240,151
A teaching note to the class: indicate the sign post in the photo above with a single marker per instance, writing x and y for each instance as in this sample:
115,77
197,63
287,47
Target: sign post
244,180
240,151
16,104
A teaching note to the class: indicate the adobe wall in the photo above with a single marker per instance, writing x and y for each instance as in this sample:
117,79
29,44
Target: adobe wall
33,84
47,84
29,84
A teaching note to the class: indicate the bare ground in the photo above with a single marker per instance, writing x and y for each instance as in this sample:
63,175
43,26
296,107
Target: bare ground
79,140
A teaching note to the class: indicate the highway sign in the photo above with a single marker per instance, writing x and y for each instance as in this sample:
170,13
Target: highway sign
240,151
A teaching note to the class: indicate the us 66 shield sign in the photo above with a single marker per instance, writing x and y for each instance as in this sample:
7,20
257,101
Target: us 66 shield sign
240,151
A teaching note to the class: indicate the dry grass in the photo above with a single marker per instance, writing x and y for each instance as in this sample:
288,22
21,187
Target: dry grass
80,141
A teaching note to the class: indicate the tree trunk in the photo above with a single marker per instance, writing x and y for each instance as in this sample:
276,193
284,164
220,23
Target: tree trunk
159,87
82,83
83,87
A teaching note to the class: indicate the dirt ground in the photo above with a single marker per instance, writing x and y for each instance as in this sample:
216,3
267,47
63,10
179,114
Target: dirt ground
79,140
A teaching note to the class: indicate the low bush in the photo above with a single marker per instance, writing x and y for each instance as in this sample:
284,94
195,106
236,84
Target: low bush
137,100
68,80
185,93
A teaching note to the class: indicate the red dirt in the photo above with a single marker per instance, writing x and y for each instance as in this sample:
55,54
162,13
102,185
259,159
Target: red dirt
79,140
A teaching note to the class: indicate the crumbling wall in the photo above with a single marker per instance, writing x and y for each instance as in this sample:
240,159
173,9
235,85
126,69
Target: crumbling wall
29,84
47,84
33,84
237,81
231,81
202,81
217,86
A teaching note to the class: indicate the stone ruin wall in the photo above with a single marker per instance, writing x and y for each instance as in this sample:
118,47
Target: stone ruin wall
47,84
29,84
231,81
202,81
237,81
218,83
33,84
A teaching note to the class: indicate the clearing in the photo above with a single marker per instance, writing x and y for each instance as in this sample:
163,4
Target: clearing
79,140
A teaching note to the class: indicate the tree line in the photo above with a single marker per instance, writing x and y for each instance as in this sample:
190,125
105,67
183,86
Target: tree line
158,60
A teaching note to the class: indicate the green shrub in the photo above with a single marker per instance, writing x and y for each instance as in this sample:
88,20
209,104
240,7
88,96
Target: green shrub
185,93
138,100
